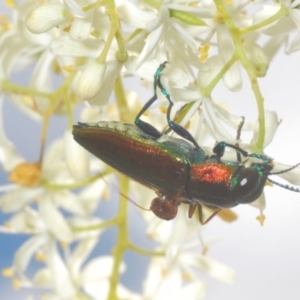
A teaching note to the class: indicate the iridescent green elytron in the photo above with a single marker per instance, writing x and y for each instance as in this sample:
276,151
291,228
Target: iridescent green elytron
177,169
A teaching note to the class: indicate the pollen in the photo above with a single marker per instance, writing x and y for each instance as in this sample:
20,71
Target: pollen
105,195
7,225
16,283
26,174
219,16
187,276
64,244
163,109
10,3
8,272
261,219
204,51
41,257
204,250
4,23
69,68
187,125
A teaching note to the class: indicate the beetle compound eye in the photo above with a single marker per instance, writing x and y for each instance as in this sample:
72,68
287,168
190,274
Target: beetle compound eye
165,208
247,180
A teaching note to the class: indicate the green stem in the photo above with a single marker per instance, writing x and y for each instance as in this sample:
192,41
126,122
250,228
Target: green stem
14,88
105,224
242,57
122,239
281,13
69,110
142,251
124,112
113,33
209,88
153,3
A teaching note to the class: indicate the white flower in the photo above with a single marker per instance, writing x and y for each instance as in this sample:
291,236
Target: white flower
46,17
90,81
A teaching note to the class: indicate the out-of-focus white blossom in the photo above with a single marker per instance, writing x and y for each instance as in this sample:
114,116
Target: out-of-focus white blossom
71,51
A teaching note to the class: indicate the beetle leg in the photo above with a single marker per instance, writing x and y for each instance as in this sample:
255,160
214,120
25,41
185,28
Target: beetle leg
180,130
165,207
192,208
209,218
238,136
146,127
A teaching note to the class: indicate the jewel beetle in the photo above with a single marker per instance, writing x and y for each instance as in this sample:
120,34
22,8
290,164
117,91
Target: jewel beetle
177,169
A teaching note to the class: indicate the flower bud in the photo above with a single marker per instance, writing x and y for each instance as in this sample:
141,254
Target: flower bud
90,81
77,158
257,57
45,17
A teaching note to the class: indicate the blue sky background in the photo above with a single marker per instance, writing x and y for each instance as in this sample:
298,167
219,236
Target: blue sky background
266,259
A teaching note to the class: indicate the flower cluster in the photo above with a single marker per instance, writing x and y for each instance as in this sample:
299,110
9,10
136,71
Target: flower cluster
76,53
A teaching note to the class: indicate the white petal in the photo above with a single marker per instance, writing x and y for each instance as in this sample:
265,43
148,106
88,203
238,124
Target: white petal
45,17
257,57
77,158
27,250
209,69
64,45
176,75
54,220
113,69
132,15
70,202
26,221
80,254
232,120
94,277
184,35
260,203
90,81
41,78
214,126
292,176
55,151
97,289
193,291
145,71
43,278
294,45
9,156
74,8
81,27
91,222
161,283
211,267
151,44
18,198
271,125
61,279
233,78
91,195
97,269
266,12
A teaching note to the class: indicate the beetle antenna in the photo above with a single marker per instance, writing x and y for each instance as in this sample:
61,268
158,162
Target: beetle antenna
286,170
285,186
126,197
133,202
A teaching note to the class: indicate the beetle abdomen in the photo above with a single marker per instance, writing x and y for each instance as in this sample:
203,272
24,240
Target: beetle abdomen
126,148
